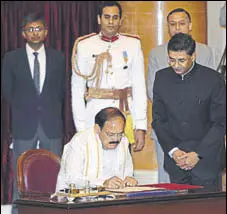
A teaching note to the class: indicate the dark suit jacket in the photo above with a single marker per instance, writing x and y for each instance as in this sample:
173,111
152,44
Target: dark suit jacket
190,114
27,107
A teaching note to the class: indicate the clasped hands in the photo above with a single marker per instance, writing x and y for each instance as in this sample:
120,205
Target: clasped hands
185,160
117,183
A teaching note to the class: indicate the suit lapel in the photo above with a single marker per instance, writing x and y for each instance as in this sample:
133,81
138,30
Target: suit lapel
48,69
23,66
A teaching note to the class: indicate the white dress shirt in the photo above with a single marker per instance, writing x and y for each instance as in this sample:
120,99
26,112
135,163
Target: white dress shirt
42,62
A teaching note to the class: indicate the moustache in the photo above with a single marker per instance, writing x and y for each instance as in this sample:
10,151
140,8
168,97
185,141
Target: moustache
114,142
178,69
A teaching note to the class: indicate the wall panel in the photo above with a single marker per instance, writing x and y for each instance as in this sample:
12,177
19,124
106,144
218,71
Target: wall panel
148,20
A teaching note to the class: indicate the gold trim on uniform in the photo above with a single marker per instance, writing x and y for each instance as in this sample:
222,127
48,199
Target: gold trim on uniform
131,35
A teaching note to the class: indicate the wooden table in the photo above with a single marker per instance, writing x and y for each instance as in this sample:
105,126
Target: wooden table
187,203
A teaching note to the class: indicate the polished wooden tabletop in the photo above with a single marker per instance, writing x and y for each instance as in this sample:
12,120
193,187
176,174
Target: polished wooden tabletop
119,199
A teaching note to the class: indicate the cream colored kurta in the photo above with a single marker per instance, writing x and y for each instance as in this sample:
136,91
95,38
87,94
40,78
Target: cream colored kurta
121,75
84,159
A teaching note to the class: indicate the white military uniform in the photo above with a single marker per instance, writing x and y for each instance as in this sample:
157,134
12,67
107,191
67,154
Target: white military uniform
85,159
122,74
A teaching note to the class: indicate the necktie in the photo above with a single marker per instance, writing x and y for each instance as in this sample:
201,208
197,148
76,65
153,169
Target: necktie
36,74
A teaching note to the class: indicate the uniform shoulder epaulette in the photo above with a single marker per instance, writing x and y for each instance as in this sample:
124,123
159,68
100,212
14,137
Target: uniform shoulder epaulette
74,52
81,38
131,35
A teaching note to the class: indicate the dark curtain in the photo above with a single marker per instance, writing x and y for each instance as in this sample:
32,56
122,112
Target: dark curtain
66,21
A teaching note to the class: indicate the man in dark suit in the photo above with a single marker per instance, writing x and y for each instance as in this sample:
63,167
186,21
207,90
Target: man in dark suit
33,82
189,116
178,20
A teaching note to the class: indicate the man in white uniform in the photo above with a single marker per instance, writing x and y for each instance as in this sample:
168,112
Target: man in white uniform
109,69
99,154
179,21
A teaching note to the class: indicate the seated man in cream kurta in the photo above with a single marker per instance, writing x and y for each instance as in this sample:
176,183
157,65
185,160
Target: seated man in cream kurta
99,155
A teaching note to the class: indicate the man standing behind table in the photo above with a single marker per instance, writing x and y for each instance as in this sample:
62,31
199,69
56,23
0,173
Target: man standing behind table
179,21
33,82
108,70
189,117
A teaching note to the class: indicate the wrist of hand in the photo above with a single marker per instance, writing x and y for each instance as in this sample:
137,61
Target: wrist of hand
199,156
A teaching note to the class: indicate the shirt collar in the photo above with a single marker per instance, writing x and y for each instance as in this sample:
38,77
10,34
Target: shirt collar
30,51
108,39
189,70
